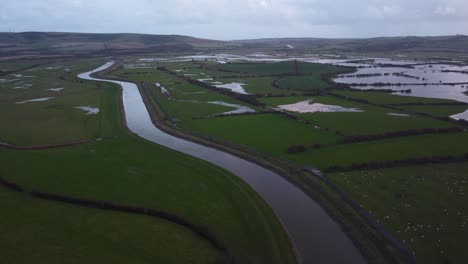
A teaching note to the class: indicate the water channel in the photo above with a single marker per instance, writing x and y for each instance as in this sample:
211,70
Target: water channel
316,236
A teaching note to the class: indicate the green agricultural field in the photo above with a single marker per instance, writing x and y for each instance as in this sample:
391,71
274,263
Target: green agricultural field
437,110
385,150
425,206
286,67
181,65
372,122
36,230
373,119
303,83
386,98
6,66
269,133
119,166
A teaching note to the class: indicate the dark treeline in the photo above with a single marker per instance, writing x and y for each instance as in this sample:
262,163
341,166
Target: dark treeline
311,93
402,74
430,104
49,146
389,65
3,72
397,163
383,90
374,137
402,133
463,72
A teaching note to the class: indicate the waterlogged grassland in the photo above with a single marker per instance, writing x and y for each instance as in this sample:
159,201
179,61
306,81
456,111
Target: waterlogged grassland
36,230
179,89
425,206
269,133
285,67
55,120
277,68
186,100
385,150
123,168
373,119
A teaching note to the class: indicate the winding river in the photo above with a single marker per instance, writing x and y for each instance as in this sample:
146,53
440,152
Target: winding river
316,236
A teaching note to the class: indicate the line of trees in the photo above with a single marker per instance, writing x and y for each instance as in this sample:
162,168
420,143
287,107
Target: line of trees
397,163
373,137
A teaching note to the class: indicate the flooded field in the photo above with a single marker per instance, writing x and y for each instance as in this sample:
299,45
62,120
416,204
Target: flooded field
309,107
429,78
35,100
443,81
89,110
235,87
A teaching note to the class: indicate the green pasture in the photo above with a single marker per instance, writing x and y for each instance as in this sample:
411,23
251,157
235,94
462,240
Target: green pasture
269,133
425,206
35,230
385,150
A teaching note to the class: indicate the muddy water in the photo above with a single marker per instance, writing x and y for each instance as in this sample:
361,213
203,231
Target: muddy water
317,237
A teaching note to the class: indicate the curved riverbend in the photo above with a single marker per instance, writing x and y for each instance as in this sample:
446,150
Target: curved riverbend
316,236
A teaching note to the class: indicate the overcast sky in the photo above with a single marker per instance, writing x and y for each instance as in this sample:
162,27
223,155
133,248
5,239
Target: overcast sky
240,19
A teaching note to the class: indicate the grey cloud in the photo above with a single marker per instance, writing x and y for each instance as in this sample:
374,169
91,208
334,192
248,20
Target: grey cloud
224,19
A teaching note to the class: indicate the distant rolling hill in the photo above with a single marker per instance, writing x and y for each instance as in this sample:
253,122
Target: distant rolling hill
53,44
48,43
440,44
